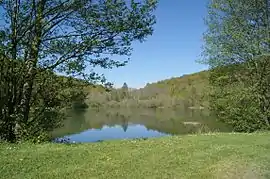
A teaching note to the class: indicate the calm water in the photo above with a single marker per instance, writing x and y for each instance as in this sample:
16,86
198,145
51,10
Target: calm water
92,125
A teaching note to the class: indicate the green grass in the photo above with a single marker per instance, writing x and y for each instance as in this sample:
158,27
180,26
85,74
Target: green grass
194,156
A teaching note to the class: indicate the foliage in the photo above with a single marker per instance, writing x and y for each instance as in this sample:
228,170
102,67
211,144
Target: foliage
124,91
125,86
237,46
50,96
64,37
9,79
185,91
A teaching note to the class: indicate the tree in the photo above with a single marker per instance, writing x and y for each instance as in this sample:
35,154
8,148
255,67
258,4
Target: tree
193,96
237,46
125,86
124,91
69,37
124,123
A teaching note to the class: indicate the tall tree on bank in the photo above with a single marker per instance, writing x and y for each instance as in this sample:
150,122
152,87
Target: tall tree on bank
237,49
70,37
124,90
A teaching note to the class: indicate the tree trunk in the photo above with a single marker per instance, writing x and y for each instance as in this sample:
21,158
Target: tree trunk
31,64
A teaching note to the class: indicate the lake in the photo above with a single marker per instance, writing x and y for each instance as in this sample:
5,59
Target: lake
125,123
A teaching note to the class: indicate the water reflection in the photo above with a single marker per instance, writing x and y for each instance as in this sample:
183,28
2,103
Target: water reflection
92,125
115,132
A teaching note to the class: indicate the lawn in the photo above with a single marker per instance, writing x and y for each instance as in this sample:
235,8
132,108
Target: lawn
193,156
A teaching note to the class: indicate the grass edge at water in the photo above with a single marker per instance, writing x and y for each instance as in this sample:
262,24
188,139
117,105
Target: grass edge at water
211,155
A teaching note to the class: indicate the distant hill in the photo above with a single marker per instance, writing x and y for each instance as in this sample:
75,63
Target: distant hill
189,90
182,86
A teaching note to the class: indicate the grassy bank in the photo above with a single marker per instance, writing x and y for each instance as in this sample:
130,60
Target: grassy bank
196,156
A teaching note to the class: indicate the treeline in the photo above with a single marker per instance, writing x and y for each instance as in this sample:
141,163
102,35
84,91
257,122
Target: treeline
185,92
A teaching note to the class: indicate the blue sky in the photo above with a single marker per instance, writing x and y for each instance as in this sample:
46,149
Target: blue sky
173,48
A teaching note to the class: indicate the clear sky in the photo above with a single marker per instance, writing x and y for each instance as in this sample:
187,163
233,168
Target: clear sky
173,48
